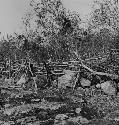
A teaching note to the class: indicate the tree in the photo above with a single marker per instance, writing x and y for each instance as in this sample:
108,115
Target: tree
105,13
103,25
57,27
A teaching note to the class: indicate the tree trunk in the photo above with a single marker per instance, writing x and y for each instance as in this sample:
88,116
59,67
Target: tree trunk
49,81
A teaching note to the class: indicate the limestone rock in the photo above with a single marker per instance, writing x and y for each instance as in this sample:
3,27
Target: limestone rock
78,110
85,82
108,88
22,80
98,85
83,120
67,79
61,117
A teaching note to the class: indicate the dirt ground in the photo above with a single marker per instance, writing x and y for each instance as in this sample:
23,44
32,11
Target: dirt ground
58,107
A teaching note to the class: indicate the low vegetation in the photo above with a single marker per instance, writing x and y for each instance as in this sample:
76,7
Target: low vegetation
57,73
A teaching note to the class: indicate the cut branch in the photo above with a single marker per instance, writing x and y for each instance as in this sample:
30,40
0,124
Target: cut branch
113,76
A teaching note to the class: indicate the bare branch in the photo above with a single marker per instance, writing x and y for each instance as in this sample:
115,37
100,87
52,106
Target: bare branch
113,76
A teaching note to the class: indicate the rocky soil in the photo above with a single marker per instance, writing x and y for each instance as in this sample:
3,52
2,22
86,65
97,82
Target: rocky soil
54,106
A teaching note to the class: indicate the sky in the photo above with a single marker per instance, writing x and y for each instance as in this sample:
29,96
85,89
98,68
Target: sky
83,7
11,12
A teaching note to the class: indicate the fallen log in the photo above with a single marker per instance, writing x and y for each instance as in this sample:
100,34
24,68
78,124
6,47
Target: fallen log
112,76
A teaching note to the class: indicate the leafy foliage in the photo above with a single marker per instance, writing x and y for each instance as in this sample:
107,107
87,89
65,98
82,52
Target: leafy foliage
54,34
